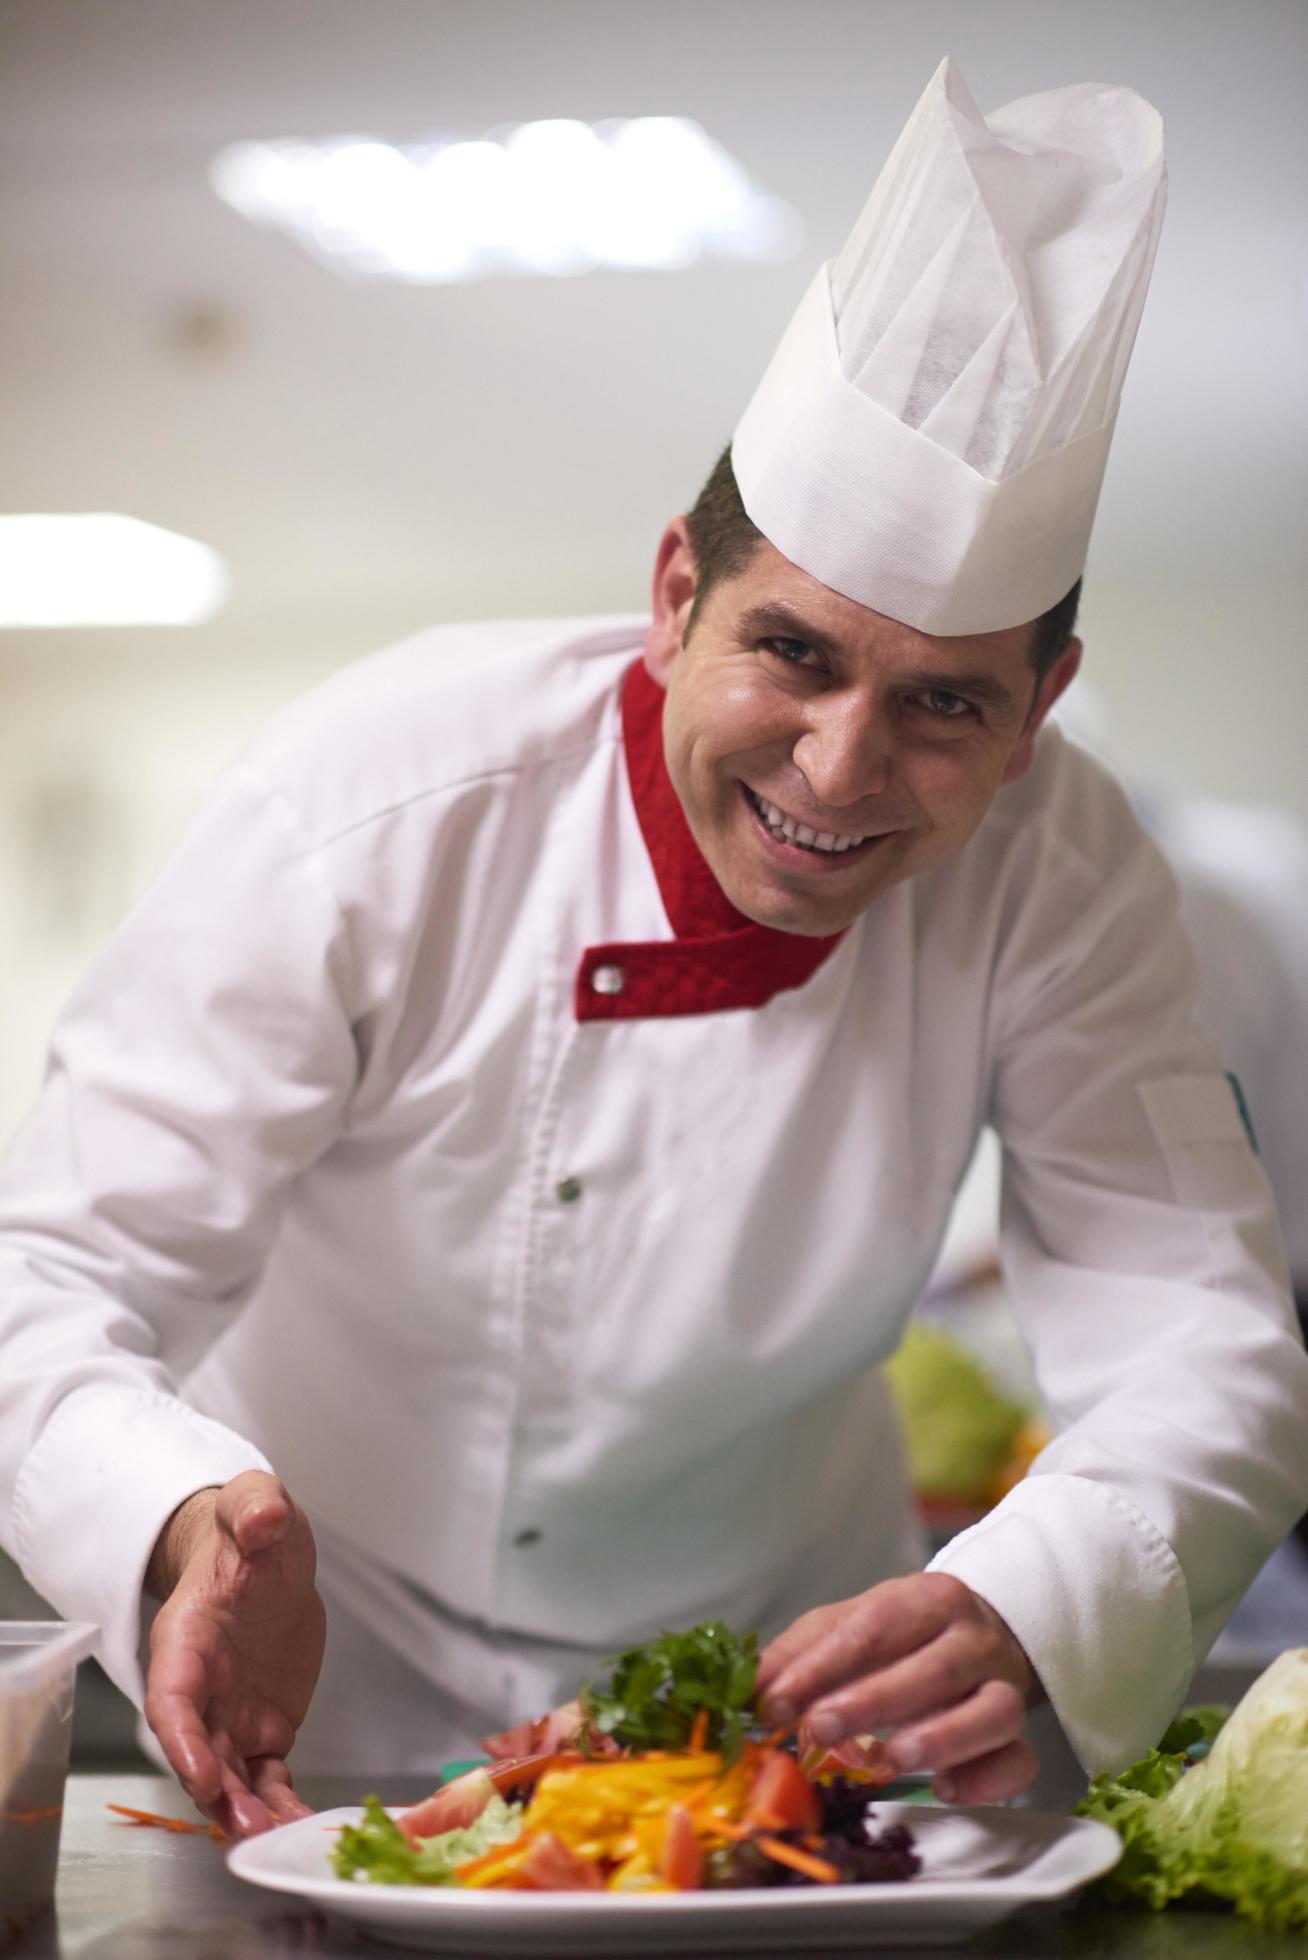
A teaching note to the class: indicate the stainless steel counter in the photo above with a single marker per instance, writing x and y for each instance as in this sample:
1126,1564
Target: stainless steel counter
130,1893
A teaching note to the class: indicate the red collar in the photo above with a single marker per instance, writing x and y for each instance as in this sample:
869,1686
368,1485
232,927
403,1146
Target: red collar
719,959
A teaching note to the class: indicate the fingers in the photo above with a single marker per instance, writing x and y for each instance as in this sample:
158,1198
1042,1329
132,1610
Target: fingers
925,1657
257,1796
777,1656
828,1650
988,1719
254,1510
185,1742
201,1765
937,1676
270,1781
992,1778
243,1799
176,1697
203,1757
240,1810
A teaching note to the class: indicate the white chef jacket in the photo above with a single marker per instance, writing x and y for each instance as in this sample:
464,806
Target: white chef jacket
1243,873
561,1328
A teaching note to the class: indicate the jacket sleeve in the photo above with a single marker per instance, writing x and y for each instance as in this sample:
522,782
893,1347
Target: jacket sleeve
204,1062
1141,1250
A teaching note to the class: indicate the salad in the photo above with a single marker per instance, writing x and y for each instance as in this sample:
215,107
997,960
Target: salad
660,1780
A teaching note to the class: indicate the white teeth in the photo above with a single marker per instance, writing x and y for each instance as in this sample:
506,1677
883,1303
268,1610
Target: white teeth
801,833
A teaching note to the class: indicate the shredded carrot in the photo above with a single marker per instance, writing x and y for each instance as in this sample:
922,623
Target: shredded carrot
154,1817
780,1736
43,1816
178,1824
777,1849
799,1861
497,1855
699,1732
497,1865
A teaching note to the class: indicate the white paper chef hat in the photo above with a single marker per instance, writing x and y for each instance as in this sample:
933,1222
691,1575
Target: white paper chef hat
930,435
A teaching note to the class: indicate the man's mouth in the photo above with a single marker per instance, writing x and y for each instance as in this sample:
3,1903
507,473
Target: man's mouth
788,830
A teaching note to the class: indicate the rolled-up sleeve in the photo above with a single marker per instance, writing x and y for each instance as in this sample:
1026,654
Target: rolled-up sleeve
1143,1259
204,1062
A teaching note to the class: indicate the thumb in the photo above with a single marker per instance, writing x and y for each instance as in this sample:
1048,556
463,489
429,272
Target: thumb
254,1510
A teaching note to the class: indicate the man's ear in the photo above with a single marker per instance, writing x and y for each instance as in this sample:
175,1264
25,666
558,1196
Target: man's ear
1060,675
674,594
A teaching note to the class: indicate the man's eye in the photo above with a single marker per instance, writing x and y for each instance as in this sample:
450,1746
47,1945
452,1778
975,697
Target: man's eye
796,653
944,705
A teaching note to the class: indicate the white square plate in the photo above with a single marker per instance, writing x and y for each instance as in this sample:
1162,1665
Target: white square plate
977,1866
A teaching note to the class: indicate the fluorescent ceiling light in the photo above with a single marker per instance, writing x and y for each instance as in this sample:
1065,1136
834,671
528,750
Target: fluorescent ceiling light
97,568
552,198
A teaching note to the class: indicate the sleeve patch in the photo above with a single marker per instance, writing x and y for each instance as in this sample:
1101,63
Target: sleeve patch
1205,1136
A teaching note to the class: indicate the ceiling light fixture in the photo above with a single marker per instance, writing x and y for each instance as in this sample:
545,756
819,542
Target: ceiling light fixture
552,198
99,568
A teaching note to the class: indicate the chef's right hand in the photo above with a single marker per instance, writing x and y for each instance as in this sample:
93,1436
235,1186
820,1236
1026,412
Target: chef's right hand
235,1649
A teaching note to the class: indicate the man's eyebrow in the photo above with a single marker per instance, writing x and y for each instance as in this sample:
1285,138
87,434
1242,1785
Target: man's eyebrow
779,622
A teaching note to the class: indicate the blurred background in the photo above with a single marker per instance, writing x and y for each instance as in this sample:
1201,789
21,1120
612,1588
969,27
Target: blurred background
370,454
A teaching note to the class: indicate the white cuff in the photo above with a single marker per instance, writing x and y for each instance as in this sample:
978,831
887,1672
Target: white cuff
109,1469
1099,1602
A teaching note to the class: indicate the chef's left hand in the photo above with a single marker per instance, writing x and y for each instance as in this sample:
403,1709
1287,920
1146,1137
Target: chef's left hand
925,1657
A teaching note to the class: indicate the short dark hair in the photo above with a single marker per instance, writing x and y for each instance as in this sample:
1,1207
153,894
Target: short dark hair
724,539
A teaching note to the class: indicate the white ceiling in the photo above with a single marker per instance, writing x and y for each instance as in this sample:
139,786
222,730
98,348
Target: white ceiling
370,457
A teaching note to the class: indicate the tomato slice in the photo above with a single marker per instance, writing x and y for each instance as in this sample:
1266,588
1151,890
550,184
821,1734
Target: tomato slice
682,1862
782,1798
860,1758
517,1774
553,1866
448,1809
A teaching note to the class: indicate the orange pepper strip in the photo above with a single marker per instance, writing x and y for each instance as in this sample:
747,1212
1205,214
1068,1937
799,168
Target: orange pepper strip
800,1861
698,1732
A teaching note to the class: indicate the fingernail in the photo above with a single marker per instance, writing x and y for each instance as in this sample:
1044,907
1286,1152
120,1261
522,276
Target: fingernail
827,1726
905,1750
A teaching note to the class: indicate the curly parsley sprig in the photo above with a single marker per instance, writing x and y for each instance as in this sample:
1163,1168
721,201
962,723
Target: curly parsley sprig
656,1692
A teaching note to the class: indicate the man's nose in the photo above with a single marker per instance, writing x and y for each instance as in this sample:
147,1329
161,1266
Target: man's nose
844,752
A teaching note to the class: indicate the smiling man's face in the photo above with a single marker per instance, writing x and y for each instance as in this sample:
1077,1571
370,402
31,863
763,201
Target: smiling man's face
823,752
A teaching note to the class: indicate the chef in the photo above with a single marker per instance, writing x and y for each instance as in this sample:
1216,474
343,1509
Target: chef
494,1159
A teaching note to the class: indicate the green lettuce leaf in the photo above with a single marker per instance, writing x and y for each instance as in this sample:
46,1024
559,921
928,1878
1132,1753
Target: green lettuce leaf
1231,1826
377,1850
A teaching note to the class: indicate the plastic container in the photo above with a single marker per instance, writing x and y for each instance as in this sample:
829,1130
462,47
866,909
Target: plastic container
38,1674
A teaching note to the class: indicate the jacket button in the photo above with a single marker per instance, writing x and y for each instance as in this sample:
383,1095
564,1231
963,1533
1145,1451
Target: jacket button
531,1536
608,980
568,1190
